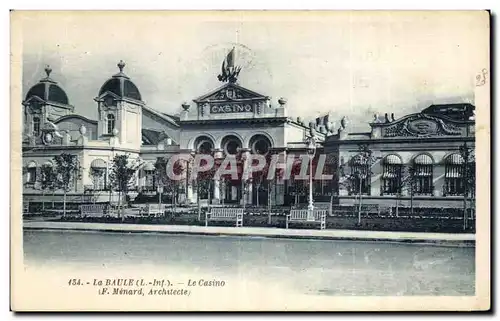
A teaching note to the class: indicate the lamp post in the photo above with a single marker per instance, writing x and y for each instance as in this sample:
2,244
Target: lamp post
362,175
311,150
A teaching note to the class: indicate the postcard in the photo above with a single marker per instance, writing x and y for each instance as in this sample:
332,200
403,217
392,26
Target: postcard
250,161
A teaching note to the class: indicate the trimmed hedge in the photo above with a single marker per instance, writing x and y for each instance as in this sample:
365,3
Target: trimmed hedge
418,223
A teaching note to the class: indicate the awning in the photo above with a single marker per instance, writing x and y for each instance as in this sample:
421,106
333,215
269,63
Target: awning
423,160
149,167
389,175
455,159
31,164
422,173
98,163
392,159
453,172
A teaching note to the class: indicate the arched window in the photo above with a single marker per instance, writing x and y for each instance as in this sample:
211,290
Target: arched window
36,125
204,145
260,144
46,173
360,170
231,144
423,167
110,119
454,178
98,169
391,176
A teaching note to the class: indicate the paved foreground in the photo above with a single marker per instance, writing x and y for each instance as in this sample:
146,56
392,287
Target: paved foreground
259,232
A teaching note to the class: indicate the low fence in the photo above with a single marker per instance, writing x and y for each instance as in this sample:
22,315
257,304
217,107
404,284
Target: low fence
344,211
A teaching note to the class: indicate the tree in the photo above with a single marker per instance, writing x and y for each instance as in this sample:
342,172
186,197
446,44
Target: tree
336,171
241,163
271,184
348,182
66,171
261,182
361,165
408,183
49,180
468,175
259,179
204,181
120,176
165,182
299,185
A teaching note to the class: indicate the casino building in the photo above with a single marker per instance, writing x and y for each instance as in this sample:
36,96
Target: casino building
228,120
429,142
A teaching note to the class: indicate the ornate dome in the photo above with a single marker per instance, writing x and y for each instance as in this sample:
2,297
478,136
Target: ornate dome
48,90
121,85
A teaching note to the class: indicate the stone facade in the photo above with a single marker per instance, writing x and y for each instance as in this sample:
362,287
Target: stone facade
437,134
228,120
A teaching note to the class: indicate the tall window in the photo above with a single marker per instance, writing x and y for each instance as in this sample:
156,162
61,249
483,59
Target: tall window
423,174
36,125
391,176
324,187
32,171
361,172
110,123
98,169
454,178
149,177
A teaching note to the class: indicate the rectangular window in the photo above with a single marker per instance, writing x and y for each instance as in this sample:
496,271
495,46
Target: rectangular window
150,184
31,174
36,125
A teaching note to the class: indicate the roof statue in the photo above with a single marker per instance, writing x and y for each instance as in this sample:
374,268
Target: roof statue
229,72
343,122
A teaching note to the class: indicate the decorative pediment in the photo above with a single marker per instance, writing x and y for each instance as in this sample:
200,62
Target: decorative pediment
35,103
458,112
108,96
51,134
421,125
230,92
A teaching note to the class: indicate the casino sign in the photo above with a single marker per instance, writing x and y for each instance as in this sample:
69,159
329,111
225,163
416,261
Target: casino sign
236,108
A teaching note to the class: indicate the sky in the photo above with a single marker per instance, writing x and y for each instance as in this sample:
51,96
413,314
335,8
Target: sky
350,64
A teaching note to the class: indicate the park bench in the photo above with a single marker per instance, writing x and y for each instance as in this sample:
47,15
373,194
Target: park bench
367,209
370,208
153,210
225,214
92,210
307,216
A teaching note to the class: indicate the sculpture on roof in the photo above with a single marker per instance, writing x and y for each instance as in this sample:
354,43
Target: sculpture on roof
343,122
229,71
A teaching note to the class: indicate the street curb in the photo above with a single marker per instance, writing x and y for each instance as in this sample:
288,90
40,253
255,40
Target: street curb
407,240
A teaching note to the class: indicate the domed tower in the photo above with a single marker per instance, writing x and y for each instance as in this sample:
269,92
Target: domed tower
44,102
120,109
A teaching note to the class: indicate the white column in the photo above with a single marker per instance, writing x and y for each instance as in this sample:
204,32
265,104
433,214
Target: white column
280,192
249,193
190,193
234,193
216,198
